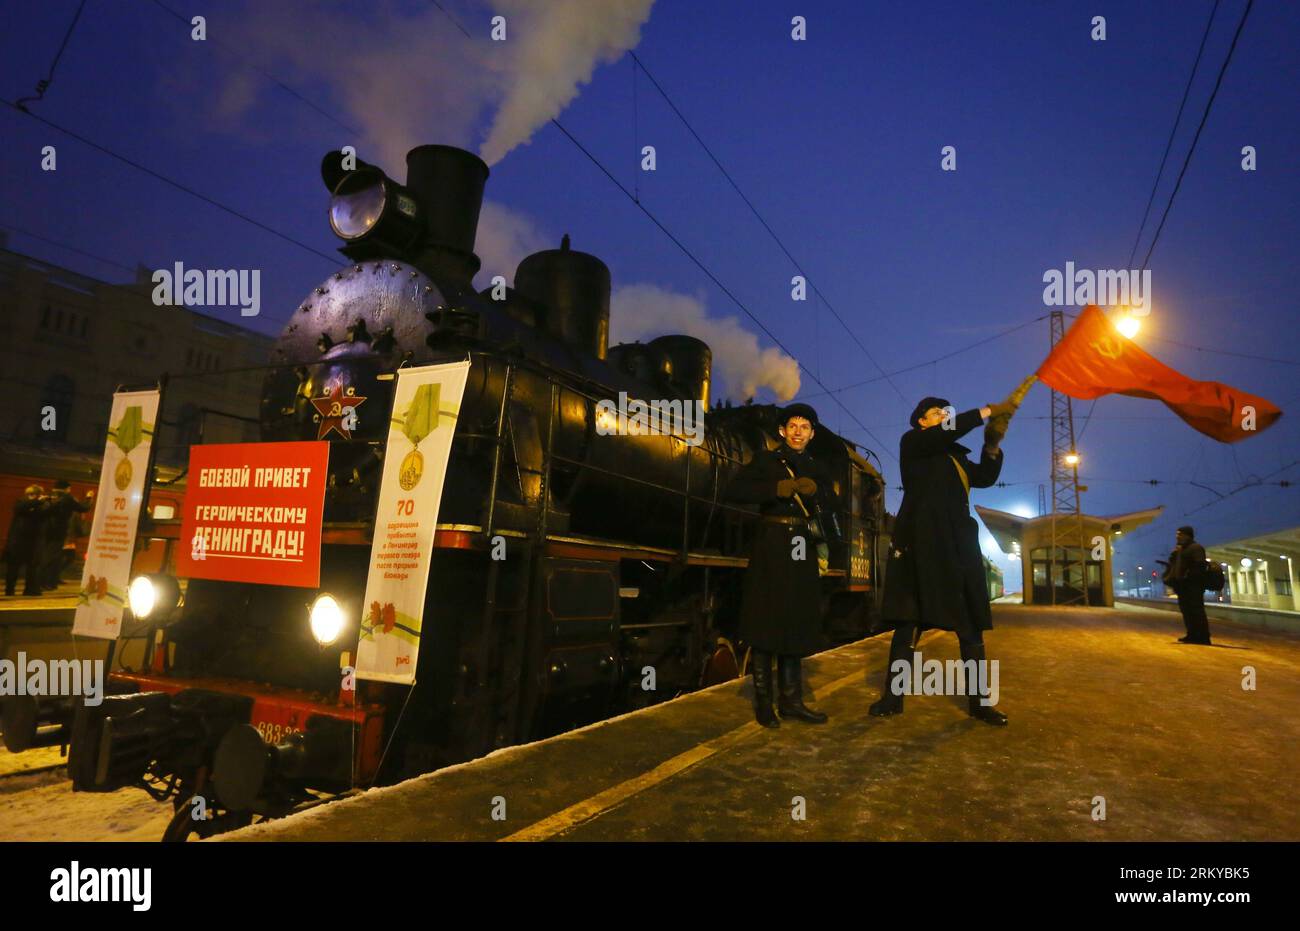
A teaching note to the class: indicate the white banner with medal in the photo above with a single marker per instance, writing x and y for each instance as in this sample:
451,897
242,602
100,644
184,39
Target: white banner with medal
107,574
426,403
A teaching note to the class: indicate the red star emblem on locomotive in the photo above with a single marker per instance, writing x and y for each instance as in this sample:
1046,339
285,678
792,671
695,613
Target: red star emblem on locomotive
333,410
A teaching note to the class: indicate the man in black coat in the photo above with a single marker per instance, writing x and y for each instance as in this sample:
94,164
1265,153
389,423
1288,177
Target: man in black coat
781,612
935,577
1185,574
58,520
23,546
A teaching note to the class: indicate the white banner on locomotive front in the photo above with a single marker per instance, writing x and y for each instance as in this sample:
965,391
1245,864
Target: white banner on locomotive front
426,403
107,573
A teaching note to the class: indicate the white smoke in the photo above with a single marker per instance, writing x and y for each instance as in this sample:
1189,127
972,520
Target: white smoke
553,47
404,75
644,311
640,311
504,237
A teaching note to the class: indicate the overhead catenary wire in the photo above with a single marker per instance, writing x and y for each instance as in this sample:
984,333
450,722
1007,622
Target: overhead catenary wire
63,245
690,255
716,281
1187,159
763,222
934,361
1178,117
1209,104
1228,352
333,259
44,84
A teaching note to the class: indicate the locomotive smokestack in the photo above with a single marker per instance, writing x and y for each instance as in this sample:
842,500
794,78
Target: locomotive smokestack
448,183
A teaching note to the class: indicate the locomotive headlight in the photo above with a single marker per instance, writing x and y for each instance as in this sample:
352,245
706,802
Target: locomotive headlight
141,596
371,212
155,594
326,619
357,205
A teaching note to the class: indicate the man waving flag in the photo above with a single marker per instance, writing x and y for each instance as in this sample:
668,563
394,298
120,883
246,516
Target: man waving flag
1094,358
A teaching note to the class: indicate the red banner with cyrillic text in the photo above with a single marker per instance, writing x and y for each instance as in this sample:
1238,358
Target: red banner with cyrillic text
253,513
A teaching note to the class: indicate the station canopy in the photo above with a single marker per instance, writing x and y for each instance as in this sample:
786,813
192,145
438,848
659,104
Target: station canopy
1008,529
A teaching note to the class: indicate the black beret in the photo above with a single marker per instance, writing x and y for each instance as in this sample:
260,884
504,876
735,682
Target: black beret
798,410
926,403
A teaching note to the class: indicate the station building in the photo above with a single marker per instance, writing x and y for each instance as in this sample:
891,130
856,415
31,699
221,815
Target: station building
1261,570
68,341
1056,552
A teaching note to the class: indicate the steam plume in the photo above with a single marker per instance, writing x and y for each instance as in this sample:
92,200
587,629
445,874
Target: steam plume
638,311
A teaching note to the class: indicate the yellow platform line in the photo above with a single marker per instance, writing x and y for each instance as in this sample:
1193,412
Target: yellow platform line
571,817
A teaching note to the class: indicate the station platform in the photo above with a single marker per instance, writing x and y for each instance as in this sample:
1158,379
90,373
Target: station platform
40,625
56,606
1103,704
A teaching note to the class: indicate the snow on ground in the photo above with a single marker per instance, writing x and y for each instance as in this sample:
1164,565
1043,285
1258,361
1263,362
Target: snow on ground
41,806
39,758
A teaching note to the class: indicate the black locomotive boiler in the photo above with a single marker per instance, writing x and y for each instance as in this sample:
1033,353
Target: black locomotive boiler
621,552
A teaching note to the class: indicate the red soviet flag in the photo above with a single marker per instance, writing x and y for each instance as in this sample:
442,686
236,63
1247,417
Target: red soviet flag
1094,358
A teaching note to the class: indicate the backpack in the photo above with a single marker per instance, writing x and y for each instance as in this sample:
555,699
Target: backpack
1213,577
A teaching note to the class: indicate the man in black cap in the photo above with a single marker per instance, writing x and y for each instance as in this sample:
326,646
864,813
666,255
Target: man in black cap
58,520
781,611
935,577
1185,574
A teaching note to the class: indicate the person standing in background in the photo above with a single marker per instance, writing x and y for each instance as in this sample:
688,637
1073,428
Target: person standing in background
59,513
24,547
1185,574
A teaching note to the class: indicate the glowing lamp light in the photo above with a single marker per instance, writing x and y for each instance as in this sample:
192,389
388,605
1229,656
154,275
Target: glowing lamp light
1246,562
326,619
1128,325
141,596
152,595
1071,458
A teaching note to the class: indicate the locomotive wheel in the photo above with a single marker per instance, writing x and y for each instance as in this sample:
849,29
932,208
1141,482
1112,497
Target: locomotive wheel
183,827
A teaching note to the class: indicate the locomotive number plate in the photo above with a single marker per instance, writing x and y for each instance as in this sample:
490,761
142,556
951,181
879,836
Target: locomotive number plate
274,733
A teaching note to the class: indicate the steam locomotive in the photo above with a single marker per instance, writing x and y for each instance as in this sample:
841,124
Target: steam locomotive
620,551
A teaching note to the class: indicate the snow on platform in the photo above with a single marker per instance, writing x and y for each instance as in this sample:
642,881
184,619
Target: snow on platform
1103,704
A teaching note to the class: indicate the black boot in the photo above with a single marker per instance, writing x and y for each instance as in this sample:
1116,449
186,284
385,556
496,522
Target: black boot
986,713
899,648
761,667
790,704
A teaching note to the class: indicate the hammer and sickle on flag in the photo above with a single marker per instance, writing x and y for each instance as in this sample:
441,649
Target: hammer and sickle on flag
1110,348
1093,358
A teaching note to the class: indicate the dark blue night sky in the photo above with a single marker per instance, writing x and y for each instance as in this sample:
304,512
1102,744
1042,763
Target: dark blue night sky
836,140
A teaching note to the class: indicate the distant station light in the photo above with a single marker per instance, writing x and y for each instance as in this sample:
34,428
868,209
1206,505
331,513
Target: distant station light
1128,325
1071,458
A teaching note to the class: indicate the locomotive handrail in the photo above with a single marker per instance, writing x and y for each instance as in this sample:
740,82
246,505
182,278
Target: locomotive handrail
591,392
652,484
